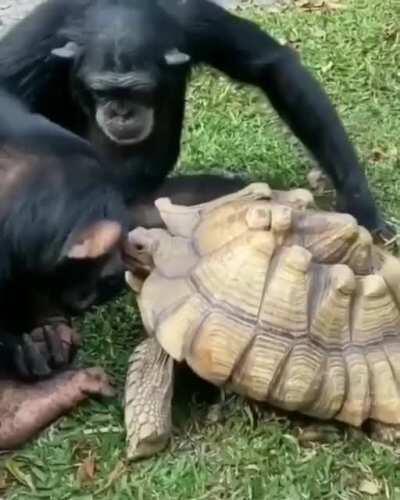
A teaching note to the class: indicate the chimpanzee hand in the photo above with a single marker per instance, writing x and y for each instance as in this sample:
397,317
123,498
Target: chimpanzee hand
45,349
367,215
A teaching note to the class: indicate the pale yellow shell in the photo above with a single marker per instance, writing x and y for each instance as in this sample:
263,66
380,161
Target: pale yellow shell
278,301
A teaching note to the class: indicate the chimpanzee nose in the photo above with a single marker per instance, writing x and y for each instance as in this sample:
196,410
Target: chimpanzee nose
123,109
126,113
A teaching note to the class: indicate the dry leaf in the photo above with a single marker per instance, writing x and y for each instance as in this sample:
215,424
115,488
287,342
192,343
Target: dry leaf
334,5
87,469
302,3
3,483
115,474
214,414
377,155
327,67
311,5
369,487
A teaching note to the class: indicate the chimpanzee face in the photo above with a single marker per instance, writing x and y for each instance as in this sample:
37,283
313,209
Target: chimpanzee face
75,283
125,116
122,71
123,104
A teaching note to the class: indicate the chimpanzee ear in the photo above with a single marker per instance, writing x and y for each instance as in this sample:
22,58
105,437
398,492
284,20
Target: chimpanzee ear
94,241
69,51
174,57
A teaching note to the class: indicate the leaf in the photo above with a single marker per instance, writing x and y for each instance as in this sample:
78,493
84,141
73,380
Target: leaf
302,3
15,470
327,67
87,469
369,487
377,155
3,483
334,5
327,5
214,414
115,474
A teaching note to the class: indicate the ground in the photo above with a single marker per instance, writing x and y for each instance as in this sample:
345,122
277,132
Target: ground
230,450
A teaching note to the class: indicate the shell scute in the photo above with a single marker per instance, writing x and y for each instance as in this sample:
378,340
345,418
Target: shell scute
282,303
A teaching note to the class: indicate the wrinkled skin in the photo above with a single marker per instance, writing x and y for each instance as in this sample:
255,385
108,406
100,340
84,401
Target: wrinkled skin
26,408
47,348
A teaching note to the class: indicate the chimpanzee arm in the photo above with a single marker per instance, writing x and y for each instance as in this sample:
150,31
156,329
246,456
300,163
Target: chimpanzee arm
243,51
26,66
182,190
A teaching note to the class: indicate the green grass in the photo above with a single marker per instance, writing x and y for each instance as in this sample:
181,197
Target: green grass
243,454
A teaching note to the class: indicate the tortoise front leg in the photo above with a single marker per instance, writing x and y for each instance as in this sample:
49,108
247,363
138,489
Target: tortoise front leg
148,396
385,433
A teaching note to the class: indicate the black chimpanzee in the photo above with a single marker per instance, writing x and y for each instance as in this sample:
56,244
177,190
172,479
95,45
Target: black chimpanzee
61,220
115,72
61,224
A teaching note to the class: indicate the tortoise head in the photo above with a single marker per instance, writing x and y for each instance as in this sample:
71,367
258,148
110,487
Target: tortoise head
138,255
146,250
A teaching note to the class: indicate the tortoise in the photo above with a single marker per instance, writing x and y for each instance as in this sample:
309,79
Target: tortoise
263,294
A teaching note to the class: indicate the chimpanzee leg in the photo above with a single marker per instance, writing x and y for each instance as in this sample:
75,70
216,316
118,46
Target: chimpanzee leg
183,190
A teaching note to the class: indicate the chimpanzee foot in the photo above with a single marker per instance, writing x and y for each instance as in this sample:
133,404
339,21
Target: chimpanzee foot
47,348
386,236
385,433
26,408
382,232
57,341
30,362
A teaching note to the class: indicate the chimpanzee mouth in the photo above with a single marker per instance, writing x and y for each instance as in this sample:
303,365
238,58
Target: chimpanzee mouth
126,131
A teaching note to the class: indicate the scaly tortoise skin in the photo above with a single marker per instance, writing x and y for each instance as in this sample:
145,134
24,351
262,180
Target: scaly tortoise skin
263,294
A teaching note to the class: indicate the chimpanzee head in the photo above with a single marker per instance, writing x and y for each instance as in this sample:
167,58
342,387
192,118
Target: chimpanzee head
74,279
126,62
62,223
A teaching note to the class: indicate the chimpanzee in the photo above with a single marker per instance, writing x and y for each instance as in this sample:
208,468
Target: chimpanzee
61,220
116,71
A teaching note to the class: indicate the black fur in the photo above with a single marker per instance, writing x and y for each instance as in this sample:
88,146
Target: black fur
131,35
52,189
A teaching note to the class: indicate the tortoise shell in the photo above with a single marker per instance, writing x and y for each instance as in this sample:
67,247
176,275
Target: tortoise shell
264,294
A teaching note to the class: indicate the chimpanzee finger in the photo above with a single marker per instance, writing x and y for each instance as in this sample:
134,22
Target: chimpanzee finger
37,364
55,346
75,338
20,362
38,337
70,339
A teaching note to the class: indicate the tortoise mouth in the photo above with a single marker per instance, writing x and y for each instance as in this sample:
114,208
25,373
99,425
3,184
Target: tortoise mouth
137,262
137,257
